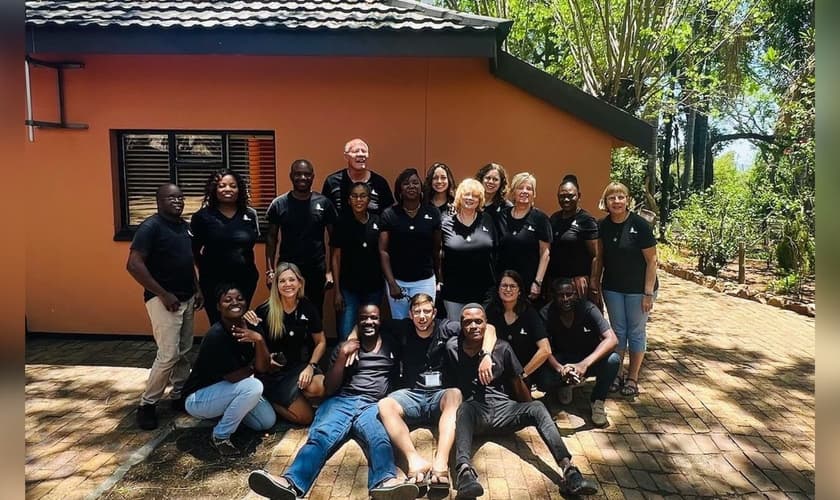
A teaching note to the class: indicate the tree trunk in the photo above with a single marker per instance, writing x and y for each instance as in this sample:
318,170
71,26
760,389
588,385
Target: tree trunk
665,174
709,167
688,155
701,138
650,171
742,268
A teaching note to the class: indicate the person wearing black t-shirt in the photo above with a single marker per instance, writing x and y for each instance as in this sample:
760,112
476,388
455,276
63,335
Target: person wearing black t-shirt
224,231
297,222
625,274
469,242
518,323
409,244
494,179
574,244
161,260
525,238
439,187
582,345
221,383
488,407
350,412
357,268
337,185
423,398
295,338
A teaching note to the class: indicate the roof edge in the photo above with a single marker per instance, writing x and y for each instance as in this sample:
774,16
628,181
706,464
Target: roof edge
592,110
501,25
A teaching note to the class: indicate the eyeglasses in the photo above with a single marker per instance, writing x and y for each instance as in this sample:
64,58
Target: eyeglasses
508,286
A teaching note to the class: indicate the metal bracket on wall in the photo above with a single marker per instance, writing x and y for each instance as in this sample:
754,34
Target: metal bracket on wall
59,67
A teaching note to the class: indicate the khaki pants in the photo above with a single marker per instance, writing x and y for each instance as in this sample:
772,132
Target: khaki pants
173,332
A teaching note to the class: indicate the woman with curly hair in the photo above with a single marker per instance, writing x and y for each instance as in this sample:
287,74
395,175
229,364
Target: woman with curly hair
439,187
224,231
494,179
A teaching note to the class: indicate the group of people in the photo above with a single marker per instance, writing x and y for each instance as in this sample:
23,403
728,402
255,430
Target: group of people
489,299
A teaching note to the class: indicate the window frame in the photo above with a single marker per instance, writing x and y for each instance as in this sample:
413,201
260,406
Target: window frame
123,231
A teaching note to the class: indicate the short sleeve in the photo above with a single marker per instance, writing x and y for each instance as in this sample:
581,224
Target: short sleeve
588,228
596,318
316,324
144,238
646,238
535,324
330,214
198,226
386,197
544,232
436,216
222,357
511,363
256,216
388,219
274,214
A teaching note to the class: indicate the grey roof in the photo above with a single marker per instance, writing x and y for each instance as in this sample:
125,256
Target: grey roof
292,15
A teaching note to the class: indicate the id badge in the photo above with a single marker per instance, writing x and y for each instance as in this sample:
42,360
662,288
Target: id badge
431,380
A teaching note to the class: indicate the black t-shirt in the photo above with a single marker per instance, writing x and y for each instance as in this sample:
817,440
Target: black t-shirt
167,249
495,210
219,354
462,371
569,254
624,263
579,340
523,334
519,243
420,355
302,224
227,244
374,374
361,268
296,343
411,241
468,258
337,188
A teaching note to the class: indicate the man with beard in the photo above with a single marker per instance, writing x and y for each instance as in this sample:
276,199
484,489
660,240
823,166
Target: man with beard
488,407
582,345
351,412
424,398
296,223
161,260
337,185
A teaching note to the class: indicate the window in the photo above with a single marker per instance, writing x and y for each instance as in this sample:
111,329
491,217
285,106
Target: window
147,159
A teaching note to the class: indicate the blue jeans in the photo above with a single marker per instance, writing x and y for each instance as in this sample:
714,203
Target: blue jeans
235,402
419,405
399,307
353,301
627,319
338,419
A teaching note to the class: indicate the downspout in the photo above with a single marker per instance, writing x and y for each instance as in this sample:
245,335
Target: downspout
30,128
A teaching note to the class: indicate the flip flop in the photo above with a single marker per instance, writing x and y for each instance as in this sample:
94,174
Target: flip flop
399,491
423,481
439,480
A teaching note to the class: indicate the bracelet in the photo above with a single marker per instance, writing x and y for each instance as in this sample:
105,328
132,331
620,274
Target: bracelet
269,272
538,282
648,295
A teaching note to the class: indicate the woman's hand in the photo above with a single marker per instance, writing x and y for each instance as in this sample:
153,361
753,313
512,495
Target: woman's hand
305,377
395,291
535,291
246,335
647,303
338,300
269,277
252,318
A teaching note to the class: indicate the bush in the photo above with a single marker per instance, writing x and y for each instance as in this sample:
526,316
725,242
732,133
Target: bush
714,222
786,285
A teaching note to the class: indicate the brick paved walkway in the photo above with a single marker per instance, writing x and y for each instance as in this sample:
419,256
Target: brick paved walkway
726,409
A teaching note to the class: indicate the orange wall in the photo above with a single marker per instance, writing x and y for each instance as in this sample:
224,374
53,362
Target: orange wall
412,112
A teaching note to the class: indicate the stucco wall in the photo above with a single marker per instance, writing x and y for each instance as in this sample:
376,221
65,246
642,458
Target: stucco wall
411,111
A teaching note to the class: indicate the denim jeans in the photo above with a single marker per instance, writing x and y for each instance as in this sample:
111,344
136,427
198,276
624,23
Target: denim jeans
604,370
173,333
235,402
627,319
353,301
338,419
399,307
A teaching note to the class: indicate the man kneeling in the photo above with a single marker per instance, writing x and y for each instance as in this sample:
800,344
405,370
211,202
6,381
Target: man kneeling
352,412
423,398
489,407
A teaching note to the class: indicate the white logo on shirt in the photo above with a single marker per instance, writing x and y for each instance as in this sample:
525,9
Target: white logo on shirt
632,230
574,223
469,238
586,330
531,228
483,228
375,226
427,217
523,332
318,206
303,317
373,192
245,217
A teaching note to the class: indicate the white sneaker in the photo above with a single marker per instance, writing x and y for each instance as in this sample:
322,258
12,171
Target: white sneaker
565,394
599,414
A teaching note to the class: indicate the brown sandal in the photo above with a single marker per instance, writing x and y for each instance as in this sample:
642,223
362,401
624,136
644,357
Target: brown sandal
631,388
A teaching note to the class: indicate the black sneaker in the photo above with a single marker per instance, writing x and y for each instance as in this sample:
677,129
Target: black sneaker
576,484
263,483
177,405
224,446
467,483
147,417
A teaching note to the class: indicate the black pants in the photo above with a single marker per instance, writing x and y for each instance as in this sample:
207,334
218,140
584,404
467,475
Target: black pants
497,414
604,370
245,280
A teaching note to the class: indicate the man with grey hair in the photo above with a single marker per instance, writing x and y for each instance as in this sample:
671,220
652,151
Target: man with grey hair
489,407
337,185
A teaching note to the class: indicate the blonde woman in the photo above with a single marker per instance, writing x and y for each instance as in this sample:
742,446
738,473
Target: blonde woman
625,273
295,337
469,243
525,239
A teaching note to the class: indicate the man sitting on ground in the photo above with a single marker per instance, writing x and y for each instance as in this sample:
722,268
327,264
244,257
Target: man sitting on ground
582,345
489,407
424,397
352,412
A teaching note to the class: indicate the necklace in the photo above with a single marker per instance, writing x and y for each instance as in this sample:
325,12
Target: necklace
411,212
